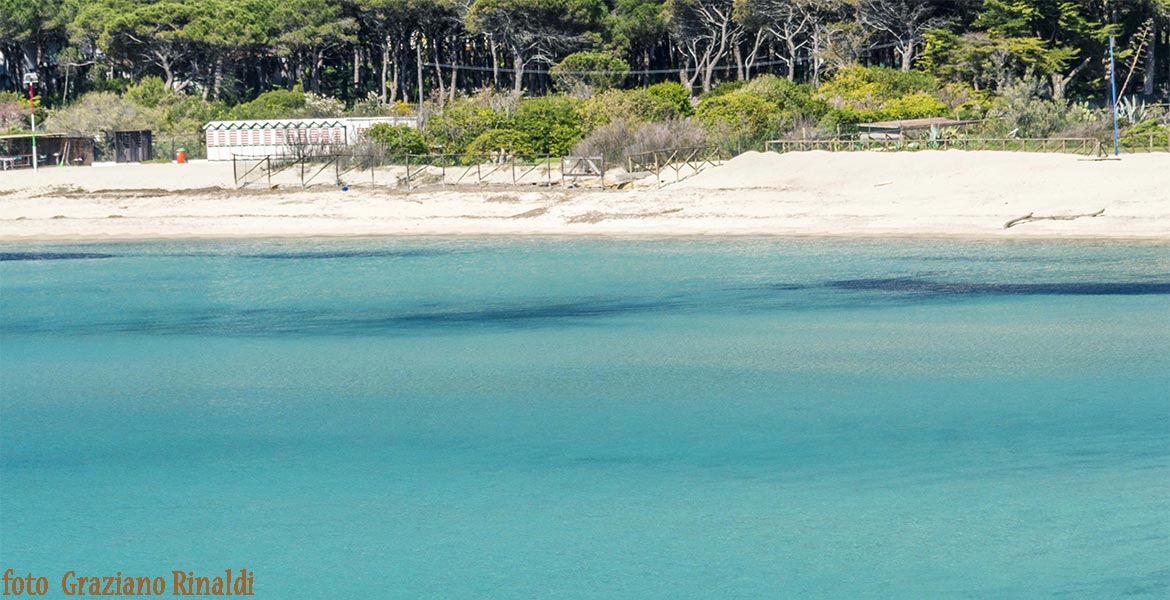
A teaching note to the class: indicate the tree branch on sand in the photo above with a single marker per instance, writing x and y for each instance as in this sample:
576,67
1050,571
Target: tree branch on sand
1028,218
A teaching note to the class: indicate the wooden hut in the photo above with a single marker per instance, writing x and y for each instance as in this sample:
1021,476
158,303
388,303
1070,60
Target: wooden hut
132,145
53,150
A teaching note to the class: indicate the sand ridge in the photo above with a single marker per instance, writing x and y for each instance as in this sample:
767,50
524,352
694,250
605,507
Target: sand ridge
927,193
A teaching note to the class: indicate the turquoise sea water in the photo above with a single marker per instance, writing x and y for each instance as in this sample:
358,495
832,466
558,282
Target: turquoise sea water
529,419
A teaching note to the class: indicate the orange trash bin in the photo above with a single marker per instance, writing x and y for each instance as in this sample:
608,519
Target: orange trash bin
181,156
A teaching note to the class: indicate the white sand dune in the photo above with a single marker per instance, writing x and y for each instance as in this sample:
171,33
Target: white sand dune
949,193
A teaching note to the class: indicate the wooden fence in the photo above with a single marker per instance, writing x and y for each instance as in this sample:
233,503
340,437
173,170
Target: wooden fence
690,160
402,171
1083,146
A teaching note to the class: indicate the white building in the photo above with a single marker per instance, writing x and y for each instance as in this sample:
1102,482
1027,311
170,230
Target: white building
282,137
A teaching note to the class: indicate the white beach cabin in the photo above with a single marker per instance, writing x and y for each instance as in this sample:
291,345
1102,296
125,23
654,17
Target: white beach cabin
283,137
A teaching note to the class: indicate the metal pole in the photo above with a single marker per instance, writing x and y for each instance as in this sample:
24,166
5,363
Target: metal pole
32,109
1113,86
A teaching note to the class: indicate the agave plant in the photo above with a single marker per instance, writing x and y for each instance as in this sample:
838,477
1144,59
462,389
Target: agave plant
1131,109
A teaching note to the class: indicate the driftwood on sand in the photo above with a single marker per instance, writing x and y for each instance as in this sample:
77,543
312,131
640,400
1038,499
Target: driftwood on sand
1028,218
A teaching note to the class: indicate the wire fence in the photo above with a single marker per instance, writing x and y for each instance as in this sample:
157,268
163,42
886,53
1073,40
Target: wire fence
167,146
410,171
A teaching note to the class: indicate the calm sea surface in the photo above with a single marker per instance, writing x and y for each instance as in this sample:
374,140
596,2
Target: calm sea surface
524,419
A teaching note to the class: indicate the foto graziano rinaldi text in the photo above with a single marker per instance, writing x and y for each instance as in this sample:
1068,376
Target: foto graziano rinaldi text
178,583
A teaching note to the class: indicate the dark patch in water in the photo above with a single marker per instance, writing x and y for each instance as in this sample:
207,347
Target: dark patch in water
7,256
939,288
348,254
266,322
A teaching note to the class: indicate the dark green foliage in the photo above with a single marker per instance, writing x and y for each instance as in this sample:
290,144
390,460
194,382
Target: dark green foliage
723,88
742,114
506,141
1147,134
274,104
585,72
397,139
632,105
451,130
552,124
675,94
786,95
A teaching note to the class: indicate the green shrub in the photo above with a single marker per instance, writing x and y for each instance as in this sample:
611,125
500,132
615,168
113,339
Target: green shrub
507,141
459,123
552,124
913,106
722,89
635,105
1146,133
674,94
742,113
868,88
187,114
786,95
1020,108
583,72
397,139
273,104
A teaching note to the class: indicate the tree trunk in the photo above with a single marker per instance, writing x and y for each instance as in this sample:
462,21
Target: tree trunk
169,82
1060,82
1151,63
217,79
907,56
495,63
385,66
739,72
439,78
318,64
518,82
357,71
418,59
791,58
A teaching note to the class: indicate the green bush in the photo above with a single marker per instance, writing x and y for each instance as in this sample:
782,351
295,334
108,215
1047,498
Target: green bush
913,106
459,123
742,116
634,105
723,89
786,95
508,141
552,123
1146,133
868,88
674,94
274,104
187,114
1021,109
397,139
582,72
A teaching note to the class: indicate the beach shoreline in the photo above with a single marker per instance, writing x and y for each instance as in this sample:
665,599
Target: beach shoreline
953,194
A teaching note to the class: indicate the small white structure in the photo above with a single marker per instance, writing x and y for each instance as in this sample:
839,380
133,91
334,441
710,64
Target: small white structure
284,137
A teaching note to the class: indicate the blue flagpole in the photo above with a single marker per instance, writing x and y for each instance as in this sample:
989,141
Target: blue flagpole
1113,86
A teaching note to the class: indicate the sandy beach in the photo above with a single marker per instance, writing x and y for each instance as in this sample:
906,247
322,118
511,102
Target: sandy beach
953,193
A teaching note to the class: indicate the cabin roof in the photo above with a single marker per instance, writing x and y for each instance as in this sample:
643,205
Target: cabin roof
905,124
